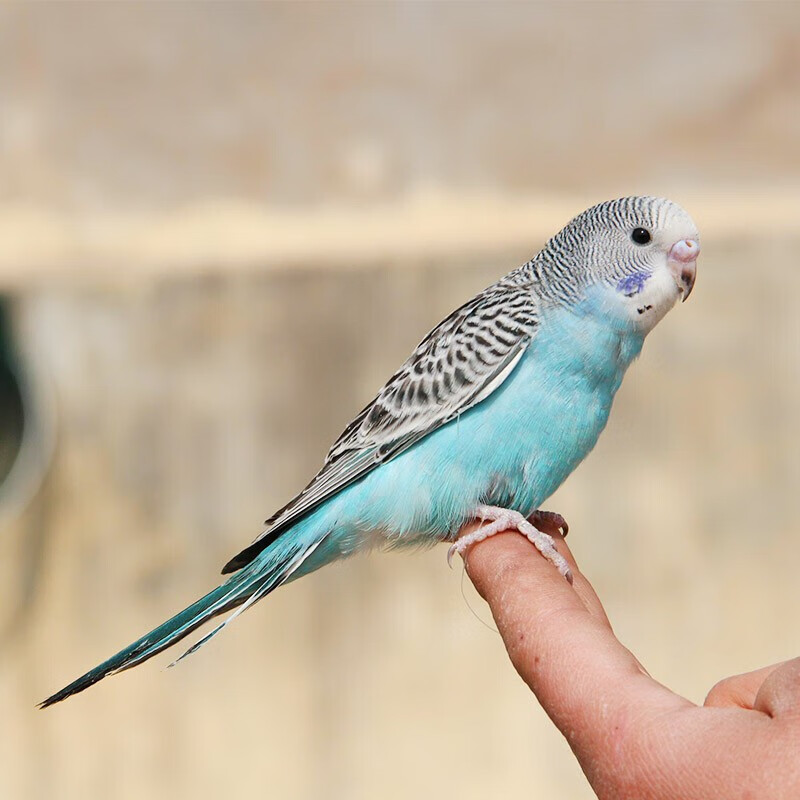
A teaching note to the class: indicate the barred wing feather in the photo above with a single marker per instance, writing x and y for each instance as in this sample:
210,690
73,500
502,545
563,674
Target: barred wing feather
458,364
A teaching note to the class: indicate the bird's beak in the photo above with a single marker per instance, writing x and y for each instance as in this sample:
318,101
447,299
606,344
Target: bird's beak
682,262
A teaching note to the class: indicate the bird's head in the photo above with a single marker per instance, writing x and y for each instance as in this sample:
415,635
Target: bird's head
641,252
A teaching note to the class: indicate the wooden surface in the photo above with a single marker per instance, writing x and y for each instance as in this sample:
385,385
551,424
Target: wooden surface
203,239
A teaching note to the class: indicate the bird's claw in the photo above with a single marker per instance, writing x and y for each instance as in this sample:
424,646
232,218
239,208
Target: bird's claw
451,551
503,519
549,522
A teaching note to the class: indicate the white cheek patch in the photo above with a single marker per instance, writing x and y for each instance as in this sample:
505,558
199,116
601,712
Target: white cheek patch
657,295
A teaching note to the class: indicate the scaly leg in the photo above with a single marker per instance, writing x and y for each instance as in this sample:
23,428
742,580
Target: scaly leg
503,519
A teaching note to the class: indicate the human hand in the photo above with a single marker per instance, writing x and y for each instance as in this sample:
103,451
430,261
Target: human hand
633,737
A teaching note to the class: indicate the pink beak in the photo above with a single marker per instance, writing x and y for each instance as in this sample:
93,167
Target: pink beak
682,261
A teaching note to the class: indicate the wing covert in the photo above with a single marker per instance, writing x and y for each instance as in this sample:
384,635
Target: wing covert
458,364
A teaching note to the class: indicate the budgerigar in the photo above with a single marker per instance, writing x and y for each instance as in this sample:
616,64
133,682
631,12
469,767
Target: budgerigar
489,415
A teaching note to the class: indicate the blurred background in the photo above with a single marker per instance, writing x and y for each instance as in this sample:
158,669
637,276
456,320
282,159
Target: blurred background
222,226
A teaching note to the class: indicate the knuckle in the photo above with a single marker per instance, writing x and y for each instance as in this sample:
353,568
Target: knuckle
721,693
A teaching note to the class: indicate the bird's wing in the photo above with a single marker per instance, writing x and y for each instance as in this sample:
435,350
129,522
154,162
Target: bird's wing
458,364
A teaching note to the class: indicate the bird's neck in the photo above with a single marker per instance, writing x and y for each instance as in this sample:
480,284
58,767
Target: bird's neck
599,343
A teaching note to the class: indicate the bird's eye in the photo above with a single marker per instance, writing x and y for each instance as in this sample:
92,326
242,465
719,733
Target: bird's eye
641,235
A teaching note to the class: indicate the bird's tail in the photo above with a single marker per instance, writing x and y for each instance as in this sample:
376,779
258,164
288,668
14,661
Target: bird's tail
238,592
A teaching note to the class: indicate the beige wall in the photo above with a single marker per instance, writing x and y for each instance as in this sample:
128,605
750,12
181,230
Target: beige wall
222,226
126,106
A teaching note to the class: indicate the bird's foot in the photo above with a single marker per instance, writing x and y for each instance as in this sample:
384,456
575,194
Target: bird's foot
503,519
549,522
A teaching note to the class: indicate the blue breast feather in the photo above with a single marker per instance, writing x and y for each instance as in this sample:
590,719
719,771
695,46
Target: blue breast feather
513,449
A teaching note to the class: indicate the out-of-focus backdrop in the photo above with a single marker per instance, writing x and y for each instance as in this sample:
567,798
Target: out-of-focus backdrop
222,226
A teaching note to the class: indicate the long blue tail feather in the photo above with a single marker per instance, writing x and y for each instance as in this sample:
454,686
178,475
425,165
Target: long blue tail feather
151,643
240,590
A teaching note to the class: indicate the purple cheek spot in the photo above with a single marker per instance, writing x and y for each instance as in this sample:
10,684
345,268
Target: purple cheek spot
633,284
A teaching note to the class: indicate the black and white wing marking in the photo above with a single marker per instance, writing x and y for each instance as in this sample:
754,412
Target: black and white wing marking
458,364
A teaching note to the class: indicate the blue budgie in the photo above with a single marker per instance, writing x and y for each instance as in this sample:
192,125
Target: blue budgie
489,415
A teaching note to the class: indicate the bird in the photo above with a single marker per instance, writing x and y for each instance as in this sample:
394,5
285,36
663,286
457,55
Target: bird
492,411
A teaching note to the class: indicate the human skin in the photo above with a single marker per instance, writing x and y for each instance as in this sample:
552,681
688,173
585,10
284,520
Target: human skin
633,737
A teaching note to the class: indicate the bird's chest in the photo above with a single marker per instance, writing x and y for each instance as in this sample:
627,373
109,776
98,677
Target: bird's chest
515,447
549,414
